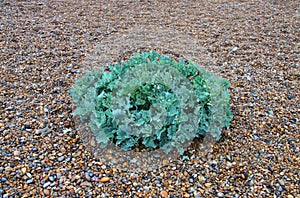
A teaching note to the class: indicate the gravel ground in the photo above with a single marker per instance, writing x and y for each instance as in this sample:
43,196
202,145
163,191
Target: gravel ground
253,44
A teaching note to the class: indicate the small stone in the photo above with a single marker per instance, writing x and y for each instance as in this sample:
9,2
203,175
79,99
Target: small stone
52,178
229,165
234,49
146,188
186,195
95,179
8,169
76,177
104,179
201,178
46,184
164,193
30,181
29,175
46,192
281,182
220,194
61,158
290,196
3,179
1,124
87,177
23,170
85,184
207,185
77,154
16,153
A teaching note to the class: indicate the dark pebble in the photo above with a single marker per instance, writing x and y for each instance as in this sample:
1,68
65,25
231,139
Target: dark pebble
3,179
145,176
52,178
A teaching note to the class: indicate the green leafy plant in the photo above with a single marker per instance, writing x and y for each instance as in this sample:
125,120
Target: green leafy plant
151,101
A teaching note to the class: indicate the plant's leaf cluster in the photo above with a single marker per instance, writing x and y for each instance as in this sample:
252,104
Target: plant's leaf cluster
93,94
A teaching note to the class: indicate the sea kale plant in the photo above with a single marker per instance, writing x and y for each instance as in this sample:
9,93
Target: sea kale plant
152,101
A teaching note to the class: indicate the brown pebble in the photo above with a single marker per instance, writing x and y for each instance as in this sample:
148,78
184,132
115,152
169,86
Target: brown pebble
186,195
77,154
164,193
104,179
85,184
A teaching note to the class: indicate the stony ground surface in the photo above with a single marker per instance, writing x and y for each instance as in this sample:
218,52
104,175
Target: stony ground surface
253,44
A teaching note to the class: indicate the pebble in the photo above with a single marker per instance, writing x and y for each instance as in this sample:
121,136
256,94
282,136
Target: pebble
51,178
45,185
46,192
164,193
30,181
104,179
16,153
87,177
3,179
85,184
61,158
23,170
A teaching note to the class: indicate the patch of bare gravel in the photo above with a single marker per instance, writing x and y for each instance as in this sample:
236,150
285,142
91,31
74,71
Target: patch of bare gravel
253,44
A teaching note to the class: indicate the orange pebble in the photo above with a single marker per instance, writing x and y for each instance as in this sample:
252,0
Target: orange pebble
104,179
164,193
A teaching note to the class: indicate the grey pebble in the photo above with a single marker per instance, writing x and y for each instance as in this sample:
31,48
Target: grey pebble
46,192
87,177
16,153
281,182
61,158
58,175
146,188
46,184
29,175
30,181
